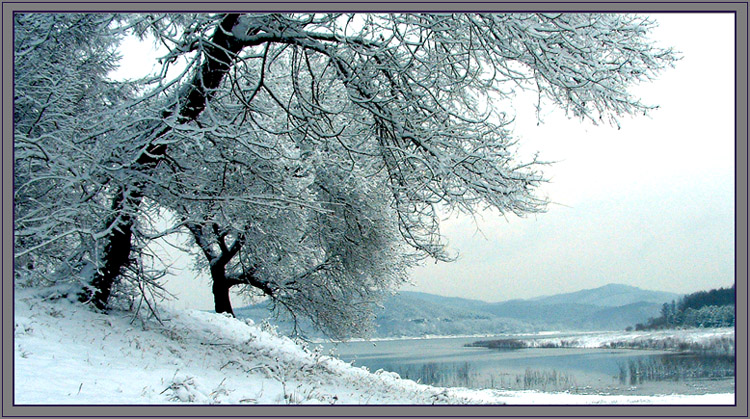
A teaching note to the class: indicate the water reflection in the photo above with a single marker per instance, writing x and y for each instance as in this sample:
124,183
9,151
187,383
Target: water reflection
633,371
434,373
448,362
467,375
678,367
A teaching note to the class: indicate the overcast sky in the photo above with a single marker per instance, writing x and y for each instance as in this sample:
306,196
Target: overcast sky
649,205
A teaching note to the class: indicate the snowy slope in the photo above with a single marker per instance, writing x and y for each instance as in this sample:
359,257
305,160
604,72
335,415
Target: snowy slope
66,354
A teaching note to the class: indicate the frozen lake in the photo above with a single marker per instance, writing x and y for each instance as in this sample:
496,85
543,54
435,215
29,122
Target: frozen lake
447,362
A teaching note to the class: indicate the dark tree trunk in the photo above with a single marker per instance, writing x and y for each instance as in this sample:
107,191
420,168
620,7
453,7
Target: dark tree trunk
116,254
219,55
218,263
220,288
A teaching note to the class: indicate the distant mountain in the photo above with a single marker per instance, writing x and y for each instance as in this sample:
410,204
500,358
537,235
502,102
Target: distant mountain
610,295
618,318
408,313
457,302
610,307
563,316
418,314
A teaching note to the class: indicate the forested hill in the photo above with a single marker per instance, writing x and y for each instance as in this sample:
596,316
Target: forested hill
715,297
713,308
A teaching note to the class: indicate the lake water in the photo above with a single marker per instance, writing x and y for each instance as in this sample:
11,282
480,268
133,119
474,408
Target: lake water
446,362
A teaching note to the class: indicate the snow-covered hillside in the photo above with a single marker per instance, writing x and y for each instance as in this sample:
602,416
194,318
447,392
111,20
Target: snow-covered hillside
67,354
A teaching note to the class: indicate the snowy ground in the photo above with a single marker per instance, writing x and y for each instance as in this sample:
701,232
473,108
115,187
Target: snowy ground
67,354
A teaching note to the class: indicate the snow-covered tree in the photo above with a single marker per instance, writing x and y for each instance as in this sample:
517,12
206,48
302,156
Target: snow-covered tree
303,151
76,136
293,223
62,141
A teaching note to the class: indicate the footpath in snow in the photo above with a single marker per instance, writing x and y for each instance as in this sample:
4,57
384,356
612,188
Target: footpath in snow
68,354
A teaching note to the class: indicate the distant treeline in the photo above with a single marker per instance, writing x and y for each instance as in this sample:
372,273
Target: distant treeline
714,308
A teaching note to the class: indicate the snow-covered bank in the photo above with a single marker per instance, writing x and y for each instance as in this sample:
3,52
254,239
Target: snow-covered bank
525,335
719,340
701,340
66,354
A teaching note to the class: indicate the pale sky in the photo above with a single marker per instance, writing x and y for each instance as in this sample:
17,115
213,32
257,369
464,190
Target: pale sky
650,205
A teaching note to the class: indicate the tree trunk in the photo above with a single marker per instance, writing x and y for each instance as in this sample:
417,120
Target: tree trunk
219,54
220,288
118,242
116,254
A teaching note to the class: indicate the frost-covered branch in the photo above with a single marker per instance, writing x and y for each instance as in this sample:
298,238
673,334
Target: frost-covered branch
308,154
